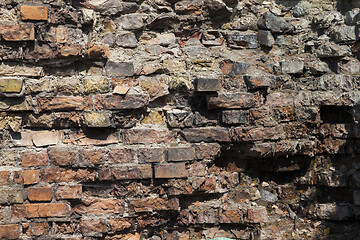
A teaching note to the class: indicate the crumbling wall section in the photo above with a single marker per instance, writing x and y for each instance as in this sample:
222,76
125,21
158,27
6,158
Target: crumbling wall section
190,119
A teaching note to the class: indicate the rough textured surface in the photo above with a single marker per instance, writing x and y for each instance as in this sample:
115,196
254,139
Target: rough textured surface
179,119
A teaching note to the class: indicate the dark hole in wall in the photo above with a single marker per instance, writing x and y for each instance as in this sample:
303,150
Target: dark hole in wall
336,114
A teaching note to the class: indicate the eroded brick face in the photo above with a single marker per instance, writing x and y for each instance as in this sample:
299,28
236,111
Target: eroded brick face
179,120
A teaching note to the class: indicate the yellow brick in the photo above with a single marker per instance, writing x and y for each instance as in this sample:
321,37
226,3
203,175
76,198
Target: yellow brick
10,85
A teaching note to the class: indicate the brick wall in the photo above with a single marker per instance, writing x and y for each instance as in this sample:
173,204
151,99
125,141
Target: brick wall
190,119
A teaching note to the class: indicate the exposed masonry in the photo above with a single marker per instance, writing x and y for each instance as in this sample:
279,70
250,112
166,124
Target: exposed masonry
166,119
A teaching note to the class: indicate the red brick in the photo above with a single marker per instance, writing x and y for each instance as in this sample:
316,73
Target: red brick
133,136
69,192
68,175
11,231
175,170
39,210
128,101
64,103
207,151
33,13
231,216
91,158
4,177
234,100
27,177
180,153
34,159
39,194
150,155
123,155
63,156
99,205
119,224
259,133
17,32
36,228
141,171
92,225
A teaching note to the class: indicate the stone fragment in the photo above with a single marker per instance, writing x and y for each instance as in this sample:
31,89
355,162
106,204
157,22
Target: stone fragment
257,214
126,39
348,66
292,67
173,66
266,38
69,50
119,69
64,103
11,196
33,13
97,119
69,192
39,51
128,101
268,196
343,33
233,68
240,41
52,175
64,16
302,9
34,159
259,133
208,85
254,82
352,17
17,32
97,51
141,171
96,85
4,178
332,211
275,24
133,21
332,50
11,231
121,90
173,170
235,116
113,7
14,69
318,68
234,100
164,39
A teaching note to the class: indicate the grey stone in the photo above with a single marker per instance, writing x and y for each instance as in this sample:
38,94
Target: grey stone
235,116
119,69
126,39
113,7
233,68
239,41
180,118
259,82
302,9
181,153
329,19
332,211
8,196
331,50
266,38
292,67
343,33
273,23
207,85
349,66
132,21
352,17
318,68
268,196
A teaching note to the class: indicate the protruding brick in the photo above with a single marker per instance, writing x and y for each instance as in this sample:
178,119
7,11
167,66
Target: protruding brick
69,192
39,210
17,32
34,159
27,177
257,215
175,170
33,13
39,194
11,231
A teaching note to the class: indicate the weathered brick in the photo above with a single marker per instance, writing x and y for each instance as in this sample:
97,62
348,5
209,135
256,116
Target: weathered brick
257,215
122,155
11,231
99,205
259,133
46,138
231,216
234,100
119,224
150,155
33,13
91,157
34,159
206,150
154,204
69,50
97,51
141,171
97,119
16,69
67,175
69,192
63,156
119,69
64,103
27,177
208,85
17,32
211,134
40,194
11,85
235,116
143,135
39,210
174,170
180,153
11,195
96,85
128,101
36,228
4,178
93,226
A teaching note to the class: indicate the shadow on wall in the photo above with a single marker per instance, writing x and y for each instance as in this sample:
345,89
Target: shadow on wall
341,5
